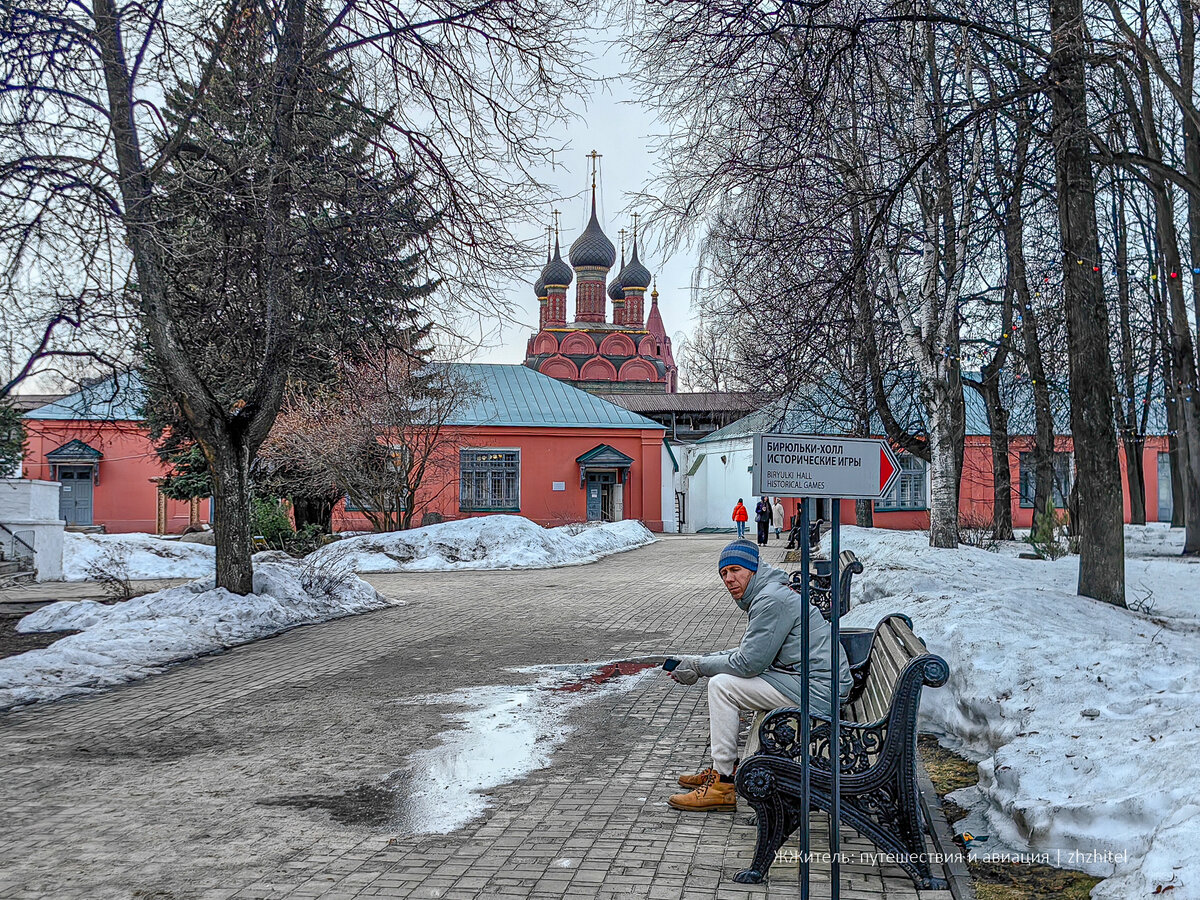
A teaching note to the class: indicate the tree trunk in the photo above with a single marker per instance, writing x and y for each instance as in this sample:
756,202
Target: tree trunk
1162,319
1132,438
1002,522
1043,414
1101,527
945,406
1182,388
231,519
1191,144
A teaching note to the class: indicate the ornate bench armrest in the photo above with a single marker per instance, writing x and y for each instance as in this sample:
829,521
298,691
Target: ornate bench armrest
779,731
779,735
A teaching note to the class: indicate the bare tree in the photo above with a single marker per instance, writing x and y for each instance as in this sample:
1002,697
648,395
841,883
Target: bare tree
379,436
457,92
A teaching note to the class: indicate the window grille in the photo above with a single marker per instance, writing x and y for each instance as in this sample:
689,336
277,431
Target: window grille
489,480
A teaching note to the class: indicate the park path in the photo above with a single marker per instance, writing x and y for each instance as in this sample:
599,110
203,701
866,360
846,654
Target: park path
273,770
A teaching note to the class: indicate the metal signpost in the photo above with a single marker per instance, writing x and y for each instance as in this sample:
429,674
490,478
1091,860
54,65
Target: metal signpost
838,468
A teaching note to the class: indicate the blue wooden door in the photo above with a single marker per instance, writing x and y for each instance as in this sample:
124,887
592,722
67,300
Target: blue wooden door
75,495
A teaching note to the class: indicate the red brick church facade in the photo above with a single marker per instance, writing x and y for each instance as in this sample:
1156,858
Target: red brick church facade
629,353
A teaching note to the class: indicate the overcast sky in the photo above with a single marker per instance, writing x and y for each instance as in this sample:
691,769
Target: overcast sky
620,130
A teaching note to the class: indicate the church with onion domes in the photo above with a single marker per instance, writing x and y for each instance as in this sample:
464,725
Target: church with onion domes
629,353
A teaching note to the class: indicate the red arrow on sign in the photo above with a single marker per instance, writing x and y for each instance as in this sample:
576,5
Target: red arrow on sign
886,469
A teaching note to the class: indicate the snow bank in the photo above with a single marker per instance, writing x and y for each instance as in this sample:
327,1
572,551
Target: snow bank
134,556
130,640
487,542
1086,716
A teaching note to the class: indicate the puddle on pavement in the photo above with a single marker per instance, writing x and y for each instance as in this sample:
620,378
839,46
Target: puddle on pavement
495,734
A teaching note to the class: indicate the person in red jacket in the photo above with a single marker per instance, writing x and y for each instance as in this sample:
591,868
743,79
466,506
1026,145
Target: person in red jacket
740,516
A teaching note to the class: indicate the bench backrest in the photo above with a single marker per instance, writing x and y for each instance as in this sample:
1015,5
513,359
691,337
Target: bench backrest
893,647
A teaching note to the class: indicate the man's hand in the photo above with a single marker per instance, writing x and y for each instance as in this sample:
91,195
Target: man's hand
685,672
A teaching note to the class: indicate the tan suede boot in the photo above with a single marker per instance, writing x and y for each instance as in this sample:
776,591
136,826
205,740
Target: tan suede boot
694,781
712,796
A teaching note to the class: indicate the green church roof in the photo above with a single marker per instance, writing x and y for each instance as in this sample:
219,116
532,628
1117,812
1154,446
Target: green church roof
512,395
500,395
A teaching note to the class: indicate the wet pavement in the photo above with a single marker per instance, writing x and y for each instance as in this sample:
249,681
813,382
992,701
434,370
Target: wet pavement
504,734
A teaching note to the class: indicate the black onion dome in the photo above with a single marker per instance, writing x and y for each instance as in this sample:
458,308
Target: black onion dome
557,272
634,275
615,291
592,248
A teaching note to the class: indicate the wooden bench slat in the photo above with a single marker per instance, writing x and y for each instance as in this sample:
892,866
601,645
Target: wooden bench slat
896,654
911,642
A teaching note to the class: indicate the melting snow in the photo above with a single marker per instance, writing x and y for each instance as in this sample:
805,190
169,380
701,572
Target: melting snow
134,556
503,733
486,542
1030,663
130,640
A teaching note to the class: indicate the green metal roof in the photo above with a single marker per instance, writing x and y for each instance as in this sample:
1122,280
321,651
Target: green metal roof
501,395
74,449
514,395
116,399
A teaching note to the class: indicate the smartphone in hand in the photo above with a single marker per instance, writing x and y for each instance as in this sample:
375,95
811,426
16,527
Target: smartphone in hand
670,664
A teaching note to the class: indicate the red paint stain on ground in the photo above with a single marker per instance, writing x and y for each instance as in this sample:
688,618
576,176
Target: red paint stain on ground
604,673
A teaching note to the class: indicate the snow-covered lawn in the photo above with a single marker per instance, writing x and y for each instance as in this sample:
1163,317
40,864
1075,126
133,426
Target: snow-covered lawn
134,556
1086,717
487,542
130,640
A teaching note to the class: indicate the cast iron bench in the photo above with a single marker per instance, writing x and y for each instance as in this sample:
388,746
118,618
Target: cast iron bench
814,534
819,582
878,738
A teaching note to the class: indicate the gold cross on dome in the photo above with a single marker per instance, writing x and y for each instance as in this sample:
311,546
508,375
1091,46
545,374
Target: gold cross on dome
595,158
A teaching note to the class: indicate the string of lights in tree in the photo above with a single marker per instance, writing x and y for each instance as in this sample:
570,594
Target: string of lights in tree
1185,392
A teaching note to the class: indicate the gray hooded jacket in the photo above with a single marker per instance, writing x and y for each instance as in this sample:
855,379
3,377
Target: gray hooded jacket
771,645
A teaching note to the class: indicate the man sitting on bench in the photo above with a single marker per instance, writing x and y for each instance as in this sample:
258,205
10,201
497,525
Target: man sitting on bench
761,673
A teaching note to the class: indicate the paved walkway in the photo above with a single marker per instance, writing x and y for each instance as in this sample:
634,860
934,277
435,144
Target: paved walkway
269,771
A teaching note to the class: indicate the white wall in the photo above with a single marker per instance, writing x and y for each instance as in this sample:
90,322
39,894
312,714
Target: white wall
670,483
723,476
31,508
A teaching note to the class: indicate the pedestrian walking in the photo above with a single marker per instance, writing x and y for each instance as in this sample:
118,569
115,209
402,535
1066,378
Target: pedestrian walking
762,518
740,517
777,518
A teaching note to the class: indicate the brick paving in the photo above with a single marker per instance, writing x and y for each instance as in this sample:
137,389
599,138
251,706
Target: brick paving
252,773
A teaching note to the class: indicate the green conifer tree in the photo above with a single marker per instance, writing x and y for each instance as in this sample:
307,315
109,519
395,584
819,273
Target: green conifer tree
351,244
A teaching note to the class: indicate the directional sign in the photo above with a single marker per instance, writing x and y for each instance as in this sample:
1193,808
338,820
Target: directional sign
808,465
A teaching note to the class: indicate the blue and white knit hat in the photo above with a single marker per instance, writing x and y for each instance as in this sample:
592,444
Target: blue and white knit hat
739,553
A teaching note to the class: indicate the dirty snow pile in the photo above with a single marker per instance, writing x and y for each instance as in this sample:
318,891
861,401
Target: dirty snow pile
1086,717
133,556
129,640
487,542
